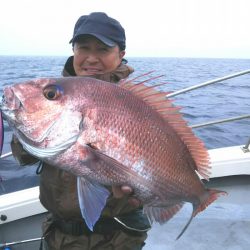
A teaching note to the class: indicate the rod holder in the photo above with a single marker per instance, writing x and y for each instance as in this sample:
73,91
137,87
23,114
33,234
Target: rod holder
246,147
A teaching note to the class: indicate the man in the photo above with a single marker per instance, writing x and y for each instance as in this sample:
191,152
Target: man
99,47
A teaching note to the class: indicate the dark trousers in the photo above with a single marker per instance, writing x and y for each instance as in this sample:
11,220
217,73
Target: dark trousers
116,239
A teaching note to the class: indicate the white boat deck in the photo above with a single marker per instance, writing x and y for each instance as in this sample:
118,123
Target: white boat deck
223,225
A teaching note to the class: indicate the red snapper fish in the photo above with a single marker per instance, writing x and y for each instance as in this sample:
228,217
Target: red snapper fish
112,134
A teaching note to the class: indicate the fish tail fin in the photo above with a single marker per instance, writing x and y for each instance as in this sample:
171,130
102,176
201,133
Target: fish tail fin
209,197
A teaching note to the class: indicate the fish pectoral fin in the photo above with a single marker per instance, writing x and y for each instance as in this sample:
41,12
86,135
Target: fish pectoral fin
110,162
161,214
92,199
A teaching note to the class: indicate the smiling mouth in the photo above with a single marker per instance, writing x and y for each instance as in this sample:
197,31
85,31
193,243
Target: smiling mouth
92,70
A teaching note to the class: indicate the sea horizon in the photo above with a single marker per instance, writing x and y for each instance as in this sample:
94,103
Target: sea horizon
181,57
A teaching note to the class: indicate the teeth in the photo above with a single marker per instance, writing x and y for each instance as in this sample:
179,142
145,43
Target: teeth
92,70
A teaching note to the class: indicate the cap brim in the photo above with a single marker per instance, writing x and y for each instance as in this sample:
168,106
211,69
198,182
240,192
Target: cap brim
103,39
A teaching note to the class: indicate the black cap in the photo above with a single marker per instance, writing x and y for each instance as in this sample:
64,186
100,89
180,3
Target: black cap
103,27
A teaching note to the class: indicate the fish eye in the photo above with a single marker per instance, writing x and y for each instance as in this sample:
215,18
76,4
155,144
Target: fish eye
53,92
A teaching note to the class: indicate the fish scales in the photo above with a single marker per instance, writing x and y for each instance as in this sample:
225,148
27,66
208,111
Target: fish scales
106,134
112,118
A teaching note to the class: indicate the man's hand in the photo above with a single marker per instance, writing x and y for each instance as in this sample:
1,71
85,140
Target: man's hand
120,191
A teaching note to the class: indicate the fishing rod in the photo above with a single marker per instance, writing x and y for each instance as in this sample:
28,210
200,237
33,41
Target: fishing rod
178,92
20,242
246,148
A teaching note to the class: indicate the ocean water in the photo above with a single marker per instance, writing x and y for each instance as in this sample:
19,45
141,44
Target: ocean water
221,100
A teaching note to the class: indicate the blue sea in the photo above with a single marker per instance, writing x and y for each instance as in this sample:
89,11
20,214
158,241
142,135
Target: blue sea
221,100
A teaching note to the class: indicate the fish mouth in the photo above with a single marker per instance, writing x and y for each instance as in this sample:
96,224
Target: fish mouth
8,113
10,101
10,106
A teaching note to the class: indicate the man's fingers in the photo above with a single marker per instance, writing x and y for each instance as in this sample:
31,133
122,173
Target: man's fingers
120,191
126,189
117,192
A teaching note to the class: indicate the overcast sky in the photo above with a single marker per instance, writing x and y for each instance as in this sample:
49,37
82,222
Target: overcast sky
167,28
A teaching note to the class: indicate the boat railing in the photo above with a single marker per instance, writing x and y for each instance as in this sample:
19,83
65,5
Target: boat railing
216,80
246,148
191,88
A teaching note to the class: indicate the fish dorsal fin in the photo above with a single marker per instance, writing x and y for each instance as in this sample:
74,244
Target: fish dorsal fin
159,102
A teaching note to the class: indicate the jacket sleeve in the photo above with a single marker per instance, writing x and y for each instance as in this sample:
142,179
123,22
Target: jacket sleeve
20,154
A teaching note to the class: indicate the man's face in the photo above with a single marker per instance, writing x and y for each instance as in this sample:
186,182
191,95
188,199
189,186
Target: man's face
92,57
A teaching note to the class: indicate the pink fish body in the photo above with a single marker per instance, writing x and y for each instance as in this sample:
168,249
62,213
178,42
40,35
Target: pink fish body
110,134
